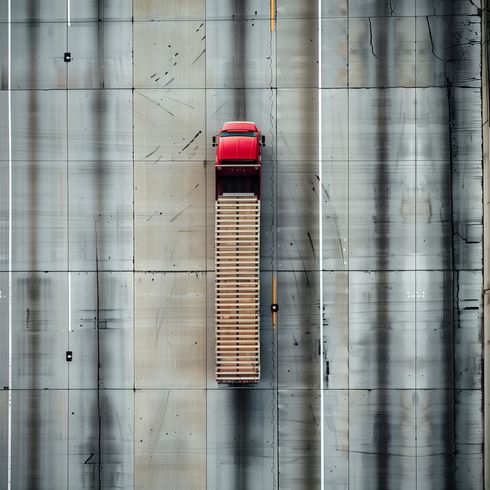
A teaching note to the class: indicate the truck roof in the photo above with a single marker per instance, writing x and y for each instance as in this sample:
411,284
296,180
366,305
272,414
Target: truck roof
238,148
239,126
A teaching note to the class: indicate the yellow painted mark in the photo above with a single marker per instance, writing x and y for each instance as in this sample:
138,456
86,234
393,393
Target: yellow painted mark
273,14
274,300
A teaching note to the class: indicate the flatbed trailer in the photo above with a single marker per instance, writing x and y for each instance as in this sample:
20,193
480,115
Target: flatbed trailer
237,295
237,254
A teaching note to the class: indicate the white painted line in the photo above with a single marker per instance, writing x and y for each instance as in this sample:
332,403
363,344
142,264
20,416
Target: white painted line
69,302
9,92
320,243
68,13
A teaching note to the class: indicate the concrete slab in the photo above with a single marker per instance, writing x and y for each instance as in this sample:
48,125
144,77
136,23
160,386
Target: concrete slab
392,137
100,223
375,62
179,47
39,438
102,334
247,60
169,10
169,125
170,330
170,228
39,222
101,55
39,123
100,125
45,43
374,458
381,330
240,427
292,9
39,330
170,439
101,438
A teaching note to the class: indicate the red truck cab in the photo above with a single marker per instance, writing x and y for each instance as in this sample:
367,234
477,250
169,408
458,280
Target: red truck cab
238,158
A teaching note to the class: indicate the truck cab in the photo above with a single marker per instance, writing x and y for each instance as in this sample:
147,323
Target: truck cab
238,158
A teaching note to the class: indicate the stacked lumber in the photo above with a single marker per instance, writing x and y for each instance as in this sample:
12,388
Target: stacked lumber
237,296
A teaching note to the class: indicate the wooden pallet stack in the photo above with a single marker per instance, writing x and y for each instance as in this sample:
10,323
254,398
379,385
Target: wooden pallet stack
237,235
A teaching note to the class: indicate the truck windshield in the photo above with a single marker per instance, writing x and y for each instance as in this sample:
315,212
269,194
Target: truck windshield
238,162
250,134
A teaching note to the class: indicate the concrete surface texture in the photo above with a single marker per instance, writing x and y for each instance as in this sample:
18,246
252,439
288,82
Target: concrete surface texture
112,236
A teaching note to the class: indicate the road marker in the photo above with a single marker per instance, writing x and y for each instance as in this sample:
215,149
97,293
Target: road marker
273,14
274,302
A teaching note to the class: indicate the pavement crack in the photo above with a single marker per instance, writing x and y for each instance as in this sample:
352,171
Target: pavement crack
200,54
190,142
327,195
371,40
478,9
89,458
157,104
181,212
152,152
313,416
432,43
392,10
153,215
307,279
179,101
311,244
436,7
191,191
466,240
218,109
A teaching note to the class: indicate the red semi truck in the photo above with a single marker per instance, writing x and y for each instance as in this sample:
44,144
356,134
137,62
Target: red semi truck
237,248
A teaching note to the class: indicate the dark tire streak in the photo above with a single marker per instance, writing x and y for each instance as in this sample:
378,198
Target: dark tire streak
243,451
382,422
449,285
239,101
33,285
104,414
